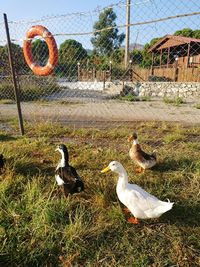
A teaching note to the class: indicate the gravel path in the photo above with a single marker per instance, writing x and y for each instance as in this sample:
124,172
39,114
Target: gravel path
90,109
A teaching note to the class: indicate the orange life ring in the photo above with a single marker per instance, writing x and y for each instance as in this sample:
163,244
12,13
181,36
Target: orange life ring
53,51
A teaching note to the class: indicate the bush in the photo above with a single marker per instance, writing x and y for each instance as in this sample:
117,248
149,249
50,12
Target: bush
31,88
174,101
159,79
132,98
6,89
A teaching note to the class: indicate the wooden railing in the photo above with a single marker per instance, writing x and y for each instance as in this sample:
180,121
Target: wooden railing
135,73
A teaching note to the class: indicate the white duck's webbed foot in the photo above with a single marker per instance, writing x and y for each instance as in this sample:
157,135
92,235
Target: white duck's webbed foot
133,220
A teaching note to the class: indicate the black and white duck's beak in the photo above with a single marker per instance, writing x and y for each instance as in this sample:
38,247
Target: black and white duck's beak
105,169
130,138
57,148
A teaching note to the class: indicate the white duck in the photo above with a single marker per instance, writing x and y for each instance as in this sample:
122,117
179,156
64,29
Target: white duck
139,202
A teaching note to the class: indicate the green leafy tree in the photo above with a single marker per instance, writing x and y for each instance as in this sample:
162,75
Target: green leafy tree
136,56
71,51
196,34
4,63
18,58
40,51
187,32
118,56
146,56
106,41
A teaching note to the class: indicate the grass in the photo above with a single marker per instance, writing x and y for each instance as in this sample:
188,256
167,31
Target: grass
176,101
39,227
31,88
197,106
7,101
130,97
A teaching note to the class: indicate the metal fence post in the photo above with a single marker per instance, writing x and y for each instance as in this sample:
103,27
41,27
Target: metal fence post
126,58
104,79
13,75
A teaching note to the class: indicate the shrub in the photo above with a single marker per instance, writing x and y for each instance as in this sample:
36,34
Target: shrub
174,101
197,106
31,88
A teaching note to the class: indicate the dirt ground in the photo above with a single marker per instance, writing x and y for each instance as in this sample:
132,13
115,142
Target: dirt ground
89,112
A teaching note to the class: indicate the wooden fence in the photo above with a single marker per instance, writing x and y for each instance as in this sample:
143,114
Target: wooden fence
166,74
174,74
93,75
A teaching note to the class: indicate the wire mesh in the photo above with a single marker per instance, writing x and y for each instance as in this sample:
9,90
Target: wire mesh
92,82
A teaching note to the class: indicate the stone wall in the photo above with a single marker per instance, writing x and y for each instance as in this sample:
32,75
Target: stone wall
167,89
158,89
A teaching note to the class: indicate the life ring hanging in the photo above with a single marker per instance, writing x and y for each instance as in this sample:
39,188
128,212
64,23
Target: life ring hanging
53,51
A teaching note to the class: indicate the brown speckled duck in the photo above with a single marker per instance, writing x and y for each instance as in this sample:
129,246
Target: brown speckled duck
141,158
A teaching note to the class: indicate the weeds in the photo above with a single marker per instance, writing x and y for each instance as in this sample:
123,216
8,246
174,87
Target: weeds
177,101
31,89
39,227
132,98
197,106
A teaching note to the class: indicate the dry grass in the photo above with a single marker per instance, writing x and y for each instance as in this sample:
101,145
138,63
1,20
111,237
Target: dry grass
39,227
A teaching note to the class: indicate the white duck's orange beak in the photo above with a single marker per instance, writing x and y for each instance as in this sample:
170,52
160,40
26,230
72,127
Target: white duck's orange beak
105,170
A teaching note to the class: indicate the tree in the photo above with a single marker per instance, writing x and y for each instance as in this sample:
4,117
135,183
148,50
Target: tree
136,56
40,51
118,56
106,41
71,51
187,32
146,56
196,34
18,58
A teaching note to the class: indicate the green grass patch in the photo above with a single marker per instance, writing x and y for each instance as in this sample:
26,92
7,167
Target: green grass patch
176,101
7,101
31,88
39,227
130,97
197,106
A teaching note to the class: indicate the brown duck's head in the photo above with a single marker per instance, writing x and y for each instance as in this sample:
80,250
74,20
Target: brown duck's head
132,137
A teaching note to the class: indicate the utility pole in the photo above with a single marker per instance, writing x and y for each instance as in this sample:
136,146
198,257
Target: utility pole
126,58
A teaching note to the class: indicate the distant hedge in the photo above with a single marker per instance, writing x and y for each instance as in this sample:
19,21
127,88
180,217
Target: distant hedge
31,87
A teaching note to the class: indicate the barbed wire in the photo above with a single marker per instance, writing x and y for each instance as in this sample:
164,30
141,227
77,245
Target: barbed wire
121,26
89,71
85,13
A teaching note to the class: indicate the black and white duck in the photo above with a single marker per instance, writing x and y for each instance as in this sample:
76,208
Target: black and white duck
66,175
2,162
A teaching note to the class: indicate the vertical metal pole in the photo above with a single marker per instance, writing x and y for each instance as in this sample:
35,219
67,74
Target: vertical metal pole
104,80
13,76
126,58
110,70
78,64
152,63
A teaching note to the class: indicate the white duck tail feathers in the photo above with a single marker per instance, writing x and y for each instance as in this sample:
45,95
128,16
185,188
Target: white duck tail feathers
163,207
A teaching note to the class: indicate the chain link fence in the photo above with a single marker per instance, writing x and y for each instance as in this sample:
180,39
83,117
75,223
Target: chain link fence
110,66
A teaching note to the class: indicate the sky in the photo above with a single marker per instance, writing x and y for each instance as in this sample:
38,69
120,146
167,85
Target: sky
141,10
34,9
